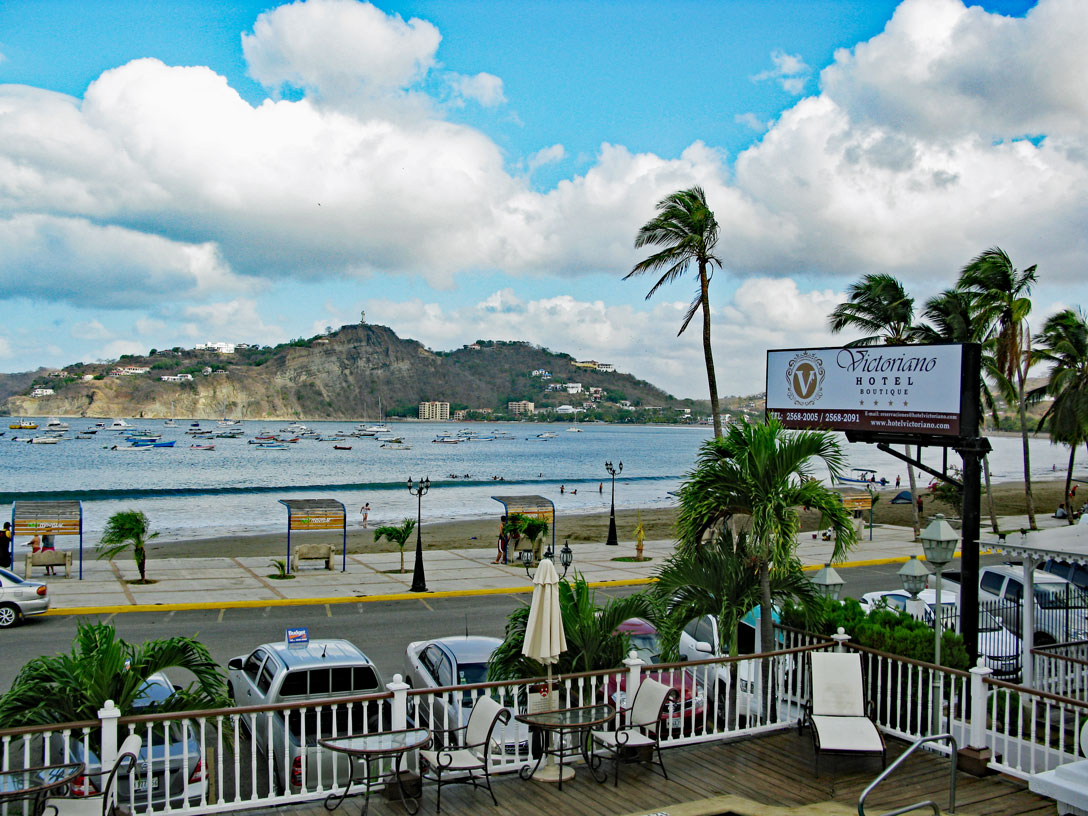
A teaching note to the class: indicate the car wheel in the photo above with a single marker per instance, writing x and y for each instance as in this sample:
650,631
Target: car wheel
9,615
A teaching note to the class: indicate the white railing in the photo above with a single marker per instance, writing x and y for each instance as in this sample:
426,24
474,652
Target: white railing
1062,669
1031,731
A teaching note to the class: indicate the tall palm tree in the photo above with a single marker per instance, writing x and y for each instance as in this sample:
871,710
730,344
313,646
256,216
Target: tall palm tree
1003,304
878,305
125,529
953,318
589,627
72,687
687,231
1063,343
762,471
396,534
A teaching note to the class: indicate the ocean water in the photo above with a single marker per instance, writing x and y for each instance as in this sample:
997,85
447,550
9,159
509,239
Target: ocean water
236,488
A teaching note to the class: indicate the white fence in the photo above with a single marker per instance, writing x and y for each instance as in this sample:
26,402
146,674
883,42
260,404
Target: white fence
233,759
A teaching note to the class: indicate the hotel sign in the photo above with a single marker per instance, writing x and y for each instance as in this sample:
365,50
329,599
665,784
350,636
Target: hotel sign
316,522
32,526
882,389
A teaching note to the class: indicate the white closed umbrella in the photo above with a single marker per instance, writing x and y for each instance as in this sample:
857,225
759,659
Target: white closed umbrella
545,640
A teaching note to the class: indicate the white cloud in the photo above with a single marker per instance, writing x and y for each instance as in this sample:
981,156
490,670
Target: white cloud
5,347
339,50
90,330
149,325
547,155
751,121
483,88
789,69
232,321
115,348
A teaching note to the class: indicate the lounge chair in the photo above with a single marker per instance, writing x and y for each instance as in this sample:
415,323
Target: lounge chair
642,729
105,803
467,753
836,710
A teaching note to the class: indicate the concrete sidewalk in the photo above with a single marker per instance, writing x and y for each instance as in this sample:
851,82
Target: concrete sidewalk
187,583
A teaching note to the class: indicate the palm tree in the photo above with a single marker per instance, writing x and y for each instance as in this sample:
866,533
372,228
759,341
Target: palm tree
592,644
397,534
72,687
1063,343
687,231
1003,304
124,529
880,307
762,471
953,318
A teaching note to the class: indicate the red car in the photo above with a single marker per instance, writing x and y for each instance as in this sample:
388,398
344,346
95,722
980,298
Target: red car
685,717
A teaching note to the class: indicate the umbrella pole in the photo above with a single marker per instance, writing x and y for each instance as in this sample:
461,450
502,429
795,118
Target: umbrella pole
552,772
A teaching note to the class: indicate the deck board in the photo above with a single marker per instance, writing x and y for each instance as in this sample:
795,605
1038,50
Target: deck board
776,769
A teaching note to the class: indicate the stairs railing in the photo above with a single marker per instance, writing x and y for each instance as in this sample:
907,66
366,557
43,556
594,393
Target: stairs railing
928,803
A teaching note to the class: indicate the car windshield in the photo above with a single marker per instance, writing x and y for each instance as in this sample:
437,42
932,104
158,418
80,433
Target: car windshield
1060,596
647,648
469,673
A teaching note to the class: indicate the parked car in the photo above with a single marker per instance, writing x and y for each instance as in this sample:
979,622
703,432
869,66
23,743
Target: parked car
318,670
20,598
699,640
1074,573
997,645
456,661
169,768
685,716
1061,608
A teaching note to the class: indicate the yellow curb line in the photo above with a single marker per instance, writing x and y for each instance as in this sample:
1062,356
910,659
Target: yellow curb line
399,596
402,596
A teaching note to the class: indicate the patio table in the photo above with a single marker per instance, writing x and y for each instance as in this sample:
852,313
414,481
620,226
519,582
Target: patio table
373,749
32,784
571,727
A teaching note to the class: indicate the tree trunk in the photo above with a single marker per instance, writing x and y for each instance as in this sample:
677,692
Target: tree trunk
708,354
1027,455
140,562
402,557
766,621
989,493
913,497
1069,483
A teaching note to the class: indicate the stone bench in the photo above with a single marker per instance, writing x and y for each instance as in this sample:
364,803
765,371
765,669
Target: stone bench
49,558
312,552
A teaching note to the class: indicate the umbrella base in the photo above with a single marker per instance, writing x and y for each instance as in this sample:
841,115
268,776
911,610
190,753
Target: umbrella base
551,772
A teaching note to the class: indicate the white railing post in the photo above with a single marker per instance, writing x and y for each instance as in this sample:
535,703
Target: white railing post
634,676
974,758
399,714
841,639
108,716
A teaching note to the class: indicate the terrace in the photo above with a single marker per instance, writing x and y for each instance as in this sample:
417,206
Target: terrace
729,739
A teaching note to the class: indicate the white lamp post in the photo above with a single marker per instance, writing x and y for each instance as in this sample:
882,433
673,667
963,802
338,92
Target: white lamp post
828,583
939,544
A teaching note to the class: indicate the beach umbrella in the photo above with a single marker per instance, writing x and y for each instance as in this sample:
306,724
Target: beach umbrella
545,640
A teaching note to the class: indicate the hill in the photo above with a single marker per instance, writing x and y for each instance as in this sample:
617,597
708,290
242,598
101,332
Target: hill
339,375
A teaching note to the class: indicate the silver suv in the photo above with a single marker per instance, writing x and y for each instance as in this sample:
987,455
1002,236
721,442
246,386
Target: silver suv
319,670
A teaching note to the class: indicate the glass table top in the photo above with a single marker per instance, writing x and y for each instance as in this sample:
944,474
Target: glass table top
379,742
570,717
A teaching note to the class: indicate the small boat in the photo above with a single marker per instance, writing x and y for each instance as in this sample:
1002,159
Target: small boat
546,435
129,447
143,437
44,440
24,425
202,447
169,444
169,424
85,435
341,447
862,476
396,446
446,440
55,424
271,446
119,425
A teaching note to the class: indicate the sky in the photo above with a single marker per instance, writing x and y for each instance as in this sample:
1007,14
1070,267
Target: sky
197,171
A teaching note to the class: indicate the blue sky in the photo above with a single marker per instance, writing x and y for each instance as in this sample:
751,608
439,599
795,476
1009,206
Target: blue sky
192,171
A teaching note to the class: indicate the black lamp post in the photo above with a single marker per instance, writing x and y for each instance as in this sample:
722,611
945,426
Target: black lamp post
419,580
566,558
612,471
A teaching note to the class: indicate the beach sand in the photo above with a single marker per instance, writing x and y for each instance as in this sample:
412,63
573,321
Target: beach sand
659,524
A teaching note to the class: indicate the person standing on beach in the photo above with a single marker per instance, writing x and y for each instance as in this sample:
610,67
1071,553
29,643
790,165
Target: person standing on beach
897,481
365,510
5,546
500,556
600,488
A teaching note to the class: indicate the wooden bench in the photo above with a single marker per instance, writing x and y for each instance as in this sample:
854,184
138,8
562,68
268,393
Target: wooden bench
312,552
49,558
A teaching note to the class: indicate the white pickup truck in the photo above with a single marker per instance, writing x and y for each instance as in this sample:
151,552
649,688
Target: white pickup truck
1061,608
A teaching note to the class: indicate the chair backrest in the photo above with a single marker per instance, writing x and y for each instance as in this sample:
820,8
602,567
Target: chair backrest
837,687
127,757
481,722
649,701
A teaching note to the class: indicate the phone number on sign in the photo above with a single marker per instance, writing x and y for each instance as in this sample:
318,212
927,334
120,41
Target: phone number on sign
821,416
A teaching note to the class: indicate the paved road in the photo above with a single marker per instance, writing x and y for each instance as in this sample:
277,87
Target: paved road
381,629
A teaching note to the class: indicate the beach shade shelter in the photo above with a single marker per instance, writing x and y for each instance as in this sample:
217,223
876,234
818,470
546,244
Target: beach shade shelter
903,497
1036,547
545,639
534,506
47,518
316,514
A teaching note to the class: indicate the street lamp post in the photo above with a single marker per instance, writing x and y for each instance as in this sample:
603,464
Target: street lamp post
613,541
419,490
828,582
939,543
566,558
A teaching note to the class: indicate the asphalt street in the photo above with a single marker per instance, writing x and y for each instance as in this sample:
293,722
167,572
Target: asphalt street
381,629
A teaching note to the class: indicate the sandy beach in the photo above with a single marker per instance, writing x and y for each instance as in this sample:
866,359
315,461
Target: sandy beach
659,524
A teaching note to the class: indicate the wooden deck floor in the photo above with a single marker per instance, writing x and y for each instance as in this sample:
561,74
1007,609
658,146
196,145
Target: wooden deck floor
770,770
